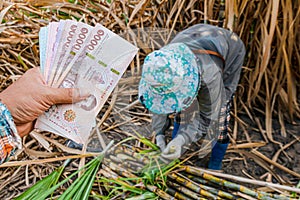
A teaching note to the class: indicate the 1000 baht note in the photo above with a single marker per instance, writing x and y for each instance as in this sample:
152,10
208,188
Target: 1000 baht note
96,38
77,45
43,38
68,32
52,31
57,50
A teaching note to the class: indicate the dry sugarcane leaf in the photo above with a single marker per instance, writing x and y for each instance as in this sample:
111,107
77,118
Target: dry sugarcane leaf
258,160
44,2
40,154
40,138
5,182
63,147
12,40
275,163
4,11
247,145
137,9
230,14
41,161
176,17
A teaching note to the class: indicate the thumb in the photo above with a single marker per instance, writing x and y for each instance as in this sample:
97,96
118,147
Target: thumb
67,95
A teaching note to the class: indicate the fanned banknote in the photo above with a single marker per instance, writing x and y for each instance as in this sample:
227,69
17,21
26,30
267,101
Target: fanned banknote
77,55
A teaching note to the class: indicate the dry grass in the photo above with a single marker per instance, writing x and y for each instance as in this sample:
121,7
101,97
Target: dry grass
268,87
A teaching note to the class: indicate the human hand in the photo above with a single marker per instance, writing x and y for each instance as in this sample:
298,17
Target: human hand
174,148
160,141
29,97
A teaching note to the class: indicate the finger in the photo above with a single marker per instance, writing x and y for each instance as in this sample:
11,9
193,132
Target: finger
24,129
67,95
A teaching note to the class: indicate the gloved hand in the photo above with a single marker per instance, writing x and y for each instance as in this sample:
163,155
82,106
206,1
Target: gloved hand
160,141
29,97
174,148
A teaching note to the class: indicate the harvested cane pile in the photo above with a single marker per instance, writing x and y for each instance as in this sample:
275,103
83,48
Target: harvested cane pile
264,134
128,172
133,173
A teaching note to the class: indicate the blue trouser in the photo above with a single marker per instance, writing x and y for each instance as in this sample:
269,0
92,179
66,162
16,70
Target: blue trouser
217,155
175,130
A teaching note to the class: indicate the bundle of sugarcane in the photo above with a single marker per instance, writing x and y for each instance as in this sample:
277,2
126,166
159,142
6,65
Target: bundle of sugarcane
132,173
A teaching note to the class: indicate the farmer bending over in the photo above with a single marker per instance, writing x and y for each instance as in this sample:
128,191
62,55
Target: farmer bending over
194,77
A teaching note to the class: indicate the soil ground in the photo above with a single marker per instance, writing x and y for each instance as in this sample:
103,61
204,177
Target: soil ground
250,166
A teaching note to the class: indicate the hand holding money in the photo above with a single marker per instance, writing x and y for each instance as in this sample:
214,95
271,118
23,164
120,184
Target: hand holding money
29,97
72,55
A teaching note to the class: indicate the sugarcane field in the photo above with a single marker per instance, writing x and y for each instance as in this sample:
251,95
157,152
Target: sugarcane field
149,99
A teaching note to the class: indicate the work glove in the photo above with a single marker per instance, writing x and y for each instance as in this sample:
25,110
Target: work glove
174,148
29,97
160,141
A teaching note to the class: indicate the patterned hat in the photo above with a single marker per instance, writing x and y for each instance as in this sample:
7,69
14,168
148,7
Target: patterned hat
170,79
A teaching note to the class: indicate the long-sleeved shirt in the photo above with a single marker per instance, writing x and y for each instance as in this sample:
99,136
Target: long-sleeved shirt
218,80
10,140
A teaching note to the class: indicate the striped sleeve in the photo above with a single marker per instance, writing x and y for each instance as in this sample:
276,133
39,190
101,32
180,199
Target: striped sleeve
10,141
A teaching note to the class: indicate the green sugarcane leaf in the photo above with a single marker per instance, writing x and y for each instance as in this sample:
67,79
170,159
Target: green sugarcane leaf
53,188
22,62
146,195
83,183
87,192
39,188
68,194
74,186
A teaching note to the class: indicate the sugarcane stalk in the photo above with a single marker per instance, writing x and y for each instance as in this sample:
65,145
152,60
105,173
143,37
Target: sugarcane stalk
134,165
176,194
124,178
125,185
204,184
185,191
131,155
226,183
194,187
160,192
107,174
107,183
138,152
112,177
130,166
123,172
